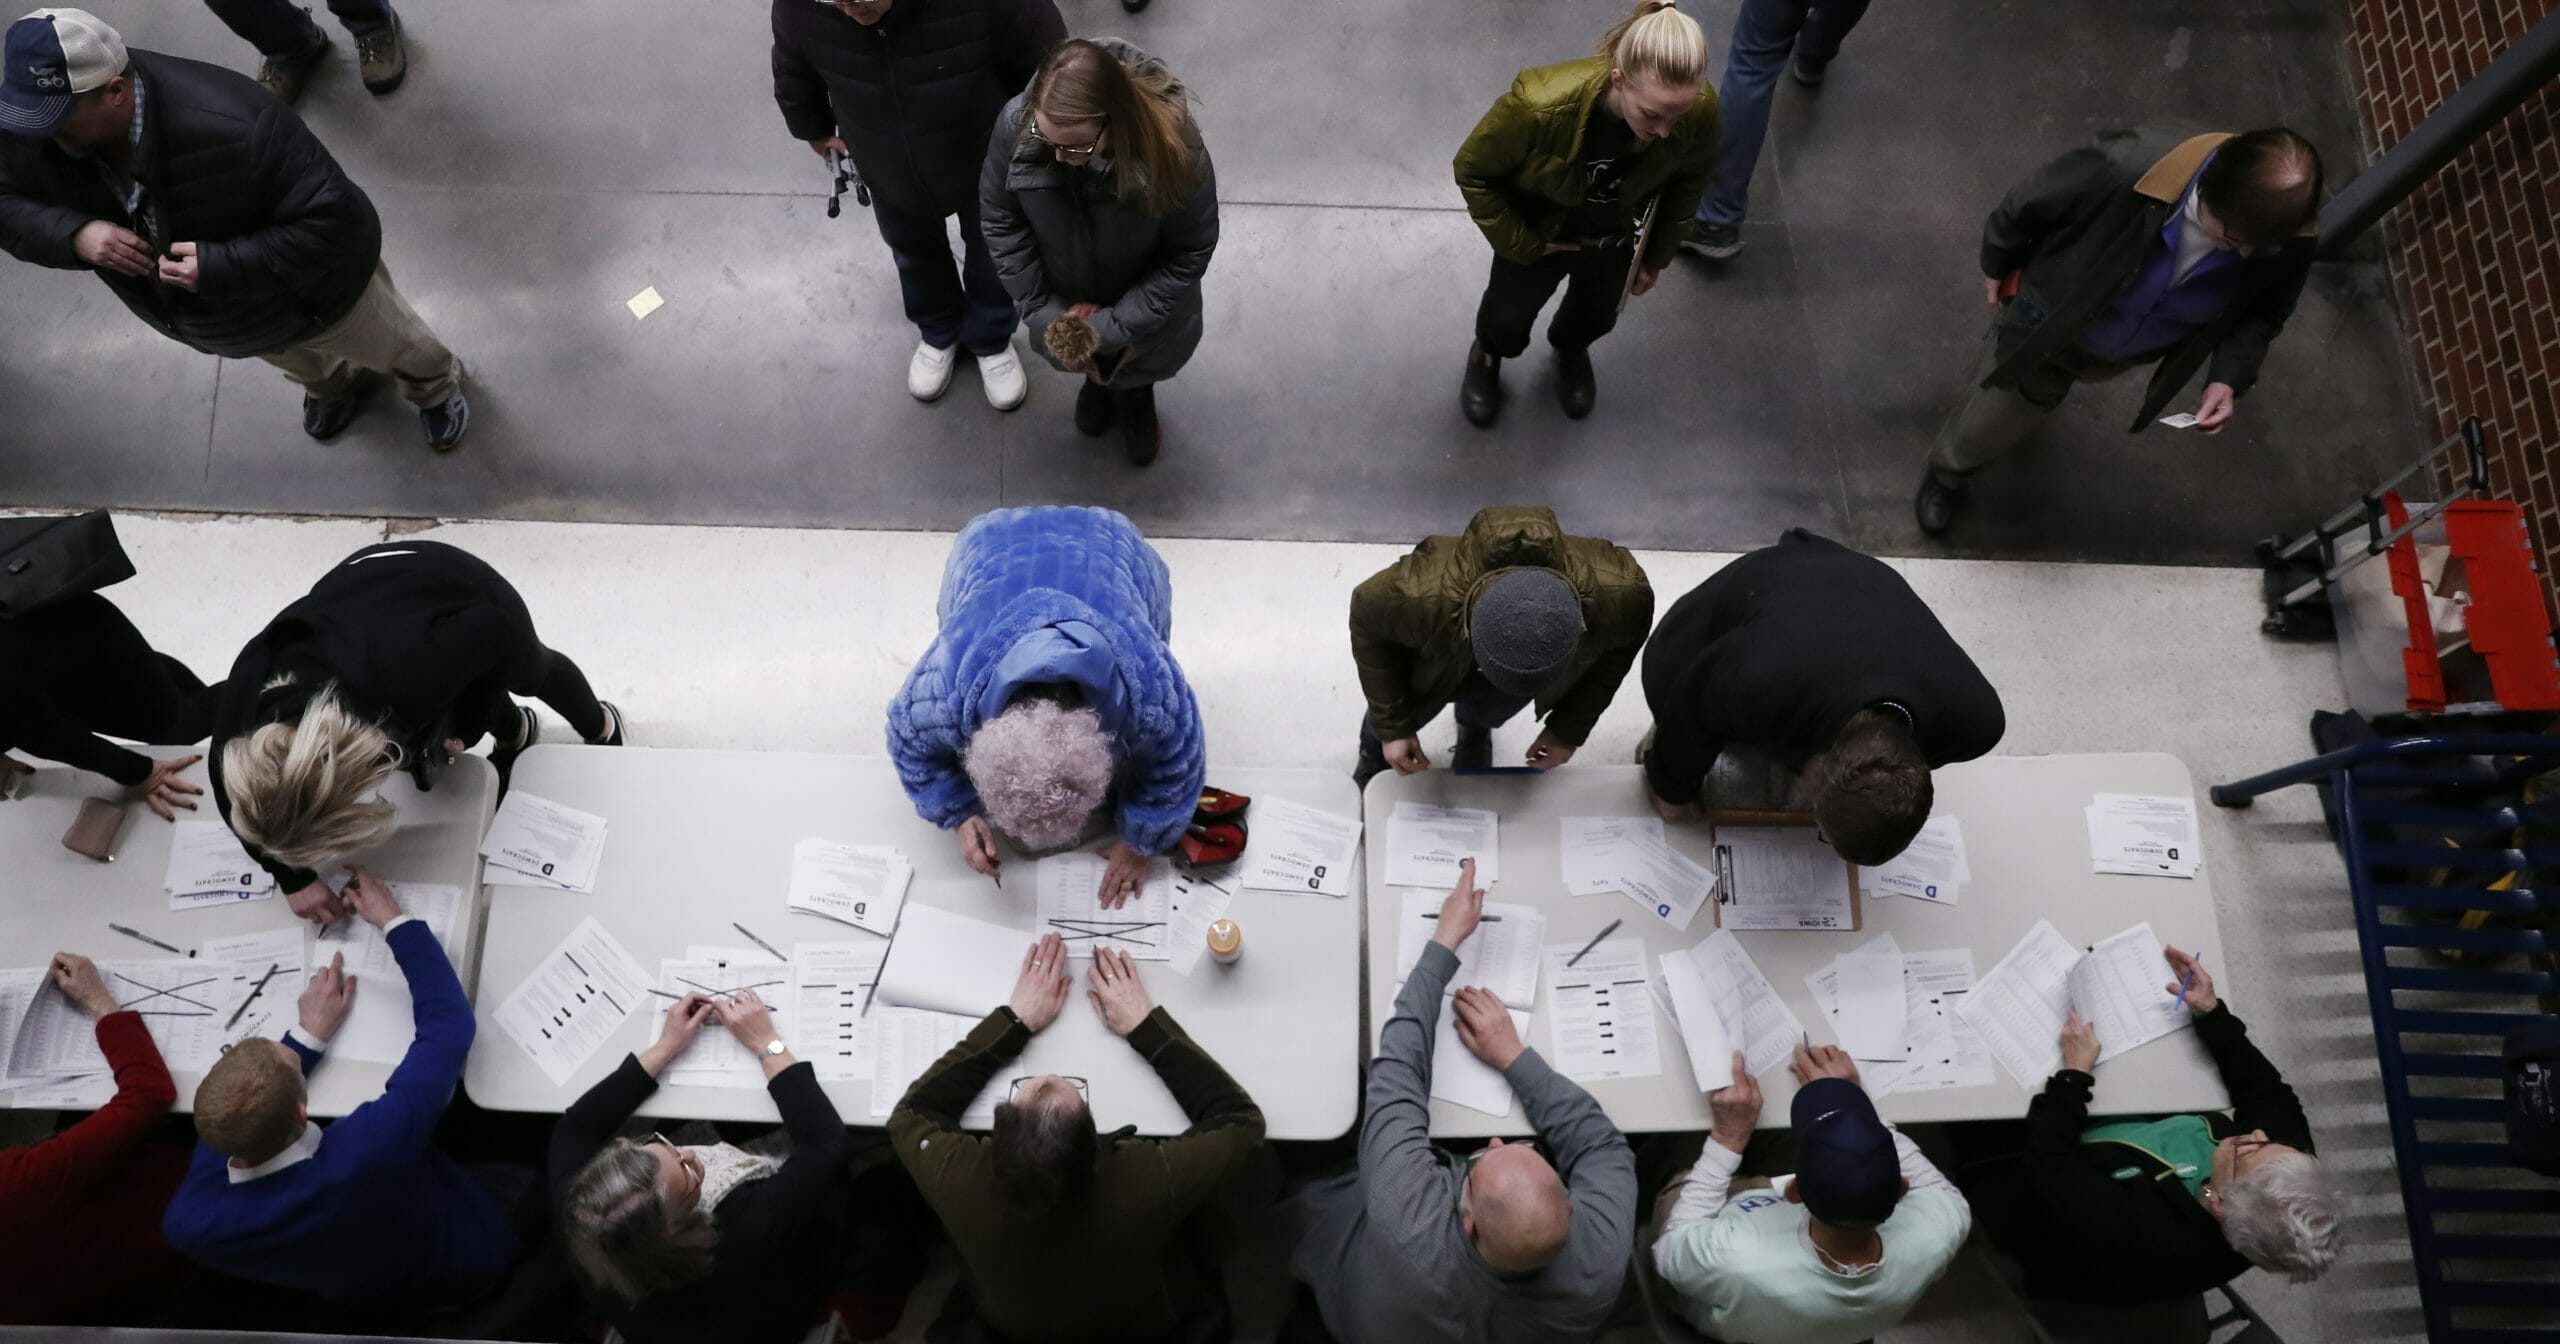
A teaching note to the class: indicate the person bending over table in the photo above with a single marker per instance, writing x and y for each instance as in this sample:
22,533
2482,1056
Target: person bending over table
1827,661
1065,1234
367,1210
1508,612
2132,1211
1499,1246
1049,691
401,657
709,1242
74,672
80,1212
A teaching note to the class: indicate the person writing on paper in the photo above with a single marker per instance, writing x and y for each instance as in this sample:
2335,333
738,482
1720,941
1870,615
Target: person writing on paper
80,1212
400,658
1065,1234
1508,612
367,1210
1049,692
1867,1225
692,1243
75,672
1498,1247
2134,1211
1825,661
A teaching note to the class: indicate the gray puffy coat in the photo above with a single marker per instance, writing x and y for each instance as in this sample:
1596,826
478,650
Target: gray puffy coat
1061,236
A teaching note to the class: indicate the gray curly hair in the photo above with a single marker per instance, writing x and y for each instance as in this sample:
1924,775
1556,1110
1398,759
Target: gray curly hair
1041,769
2282,1217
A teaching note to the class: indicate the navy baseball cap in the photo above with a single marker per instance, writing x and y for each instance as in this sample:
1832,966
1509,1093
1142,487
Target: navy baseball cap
52,56
1846,1167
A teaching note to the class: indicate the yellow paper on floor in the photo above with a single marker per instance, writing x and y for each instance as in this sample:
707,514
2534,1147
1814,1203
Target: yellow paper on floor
645,302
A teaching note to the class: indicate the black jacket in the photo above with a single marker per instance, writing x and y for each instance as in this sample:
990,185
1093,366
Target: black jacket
285,241
76,668
913,95
2082,1235
2081,228
422,637
775,1264
1779,648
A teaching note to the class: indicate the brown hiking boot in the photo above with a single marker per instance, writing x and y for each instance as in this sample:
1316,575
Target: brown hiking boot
384,58
285,77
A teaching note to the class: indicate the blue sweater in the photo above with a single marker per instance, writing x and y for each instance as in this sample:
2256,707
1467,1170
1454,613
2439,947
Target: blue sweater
378,1214
1024,591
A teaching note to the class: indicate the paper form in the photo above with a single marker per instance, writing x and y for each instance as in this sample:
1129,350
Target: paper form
861,885
2019,1008
1779,877
274,1005
1662,879
1459,1077
952,963
716,1059
1293,847
18,987
2143,834
1692,1007
535,842
1754,1017
85,1093
911,1039
1587,848
1878,1077
1501,955
1599,1013
382,1021
574,1001
182,1003
208,866
1946,1051
1426,843
1933,868
1071,907
2119,988
1200,898
830,984
1872,1007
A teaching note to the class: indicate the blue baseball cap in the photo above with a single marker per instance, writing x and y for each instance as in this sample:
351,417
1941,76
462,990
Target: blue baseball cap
1847,1169
51,57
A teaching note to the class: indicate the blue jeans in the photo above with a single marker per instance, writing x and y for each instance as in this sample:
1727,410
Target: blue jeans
967,307
282,28
1765,33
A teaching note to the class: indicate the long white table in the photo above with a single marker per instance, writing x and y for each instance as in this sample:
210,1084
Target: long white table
54,900
2028,845
699,839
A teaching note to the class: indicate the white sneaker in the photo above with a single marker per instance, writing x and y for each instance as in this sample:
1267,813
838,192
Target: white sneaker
1002,375
929,373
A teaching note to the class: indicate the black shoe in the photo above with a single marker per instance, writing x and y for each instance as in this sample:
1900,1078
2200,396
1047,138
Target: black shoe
1133,6
1141,438
1473,750
1935,505
285,76
1094,409
447,423
504,754
1715,242
325,418
613,726
1576,388
1808,73
1480,392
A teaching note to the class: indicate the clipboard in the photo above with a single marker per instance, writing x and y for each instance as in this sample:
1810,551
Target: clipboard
1644,237
1721,864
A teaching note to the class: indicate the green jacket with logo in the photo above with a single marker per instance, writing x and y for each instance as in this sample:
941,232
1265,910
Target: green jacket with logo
1409,620
1521,168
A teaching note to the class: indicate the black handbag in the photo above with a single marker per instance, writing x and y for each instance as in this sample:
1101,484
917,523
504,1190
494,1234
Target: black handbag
43,560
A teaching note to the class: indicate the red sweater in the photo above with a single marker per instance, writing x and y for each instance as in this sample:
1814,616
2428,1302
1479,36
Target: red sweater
80,1212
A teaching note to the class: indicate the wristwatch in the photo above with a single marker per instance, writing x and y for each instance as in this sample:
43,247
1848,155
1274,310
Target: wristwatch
776,1047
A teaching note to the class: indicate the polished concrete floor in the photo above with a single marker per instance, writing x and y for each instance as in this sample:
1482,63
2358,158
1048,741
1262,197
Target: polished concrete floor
546,162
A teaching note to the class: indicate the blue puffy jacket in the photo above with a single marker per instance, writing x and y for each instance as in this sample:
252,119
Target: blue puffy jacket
1018,575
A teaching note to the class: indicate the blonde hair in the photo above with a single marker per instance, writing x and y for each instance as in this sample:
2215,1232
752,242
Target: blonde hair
304,792
245,1105
1146,109
1660,41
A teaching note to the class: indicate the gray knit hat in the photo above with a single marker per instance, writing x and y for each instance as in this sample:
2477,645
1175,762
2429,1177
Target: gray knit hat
1524,625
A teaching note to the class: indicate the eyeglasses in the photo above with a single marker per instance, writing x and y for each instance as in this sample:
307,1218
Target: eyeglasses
1084,1090
1079,153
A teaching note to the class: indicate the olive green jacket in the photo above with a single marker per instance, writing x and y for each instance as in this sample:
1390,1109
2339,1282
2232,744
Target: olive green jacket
1521,169
1409,620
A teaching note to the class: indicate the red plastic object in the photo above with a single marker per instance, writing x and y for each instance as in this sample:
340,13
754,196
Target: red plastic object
2418,661
2510,627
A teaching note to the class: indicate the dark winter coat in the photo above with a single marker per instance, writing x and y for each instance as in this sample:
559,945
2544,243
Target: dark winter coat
286,242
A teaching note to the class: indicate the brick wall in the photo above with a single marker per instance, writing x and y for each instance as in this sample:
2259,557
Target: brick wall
2475,253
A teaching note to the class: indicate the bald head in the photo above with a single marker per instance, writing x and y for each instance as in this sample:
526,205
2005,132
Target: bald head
2263,185
1516,1210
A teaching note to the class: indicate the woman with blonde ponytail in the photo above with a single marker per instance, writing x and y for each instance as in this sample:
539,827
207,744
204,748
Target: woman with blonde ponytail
1564,173
400,658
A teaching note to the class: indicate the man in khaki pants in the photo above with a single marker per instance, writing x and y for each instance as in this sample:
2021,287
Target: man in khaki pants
215,214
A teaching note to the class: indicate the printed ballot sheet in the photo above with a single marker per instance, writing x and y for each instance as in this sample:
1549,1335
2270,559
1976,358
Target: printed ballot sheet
951,963
182,1003
1945,1050
1426,843
1457,1076
1932,868
2019,1008
1587,849
1873,1021
911,1039
381,1022
1501,955
18,988
207,866
830,983
1293,847
860,885
1758,1022
1071,907
1663,880
1200,898
2121,988
1693,1012
1599,1013
2144,835
576,998
272,1002
1780,877
535,842
716,1059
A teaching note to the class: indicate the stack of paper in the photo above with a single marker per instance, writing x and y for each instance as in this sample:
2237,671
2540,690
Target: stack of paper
185,1004
1630,855
1926,1045
1933,868
1746,1012
861,885
1598,1012
1501,955
2143,835
1071,907
207,866
1780,877
830,985
576,998
381,1023
950,963
2118,986
1426,843
1292,847
534,842
910,1040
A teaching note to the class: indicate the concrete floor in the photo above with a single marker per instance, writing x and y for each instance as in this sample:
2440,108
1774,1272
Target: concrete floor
544,163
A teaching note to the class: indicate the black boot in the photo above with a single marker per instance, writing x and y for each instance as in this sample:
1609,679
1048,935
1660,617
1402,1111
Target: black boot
1576,386
1935,506
1093,409
324,418
1480,394
1474,749
1141,438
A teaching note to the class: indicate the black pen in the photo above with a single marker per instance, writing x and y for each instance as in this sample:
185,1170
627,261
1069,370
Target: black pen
1481,919
254,991
137,933
751,937
1595,941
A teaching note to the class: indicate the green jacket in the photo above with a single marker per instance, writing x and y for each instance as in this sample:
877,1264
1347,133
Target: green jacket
1521,168
1409,620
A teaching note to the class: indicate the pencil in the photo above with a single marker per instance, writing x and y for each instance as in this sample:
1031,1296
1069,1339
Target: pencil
254,991
137,933
1595,942
751,937
1481,919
